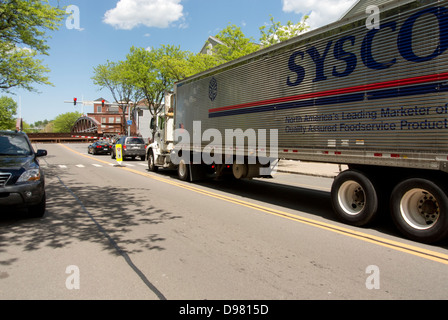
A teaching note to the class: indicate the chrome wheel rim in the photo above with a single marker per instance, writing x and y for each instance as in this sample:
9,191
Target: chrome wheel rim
420,209
351,198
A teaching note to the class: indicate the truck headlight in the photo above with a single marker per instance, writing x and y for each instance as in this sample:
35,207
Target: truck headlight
30,175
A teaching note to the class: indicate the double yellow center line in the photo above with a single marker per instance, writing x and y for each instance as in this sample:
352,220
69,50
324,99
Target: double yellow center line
395,245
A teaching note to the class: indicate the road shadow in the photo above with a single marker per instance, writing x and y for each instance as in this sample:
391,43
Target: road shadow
314,202
78,212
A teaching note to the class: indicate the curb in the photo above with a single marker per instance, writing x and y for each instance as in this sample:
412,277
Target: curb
320,175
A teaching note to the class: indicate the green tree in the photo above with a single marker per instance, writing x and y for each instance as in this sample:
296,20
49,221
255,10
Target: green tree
147,78
173,64
155,71
64,122
39,124
235,44
202,62
277,33
8,108
27,128
117,77
48,127
23,36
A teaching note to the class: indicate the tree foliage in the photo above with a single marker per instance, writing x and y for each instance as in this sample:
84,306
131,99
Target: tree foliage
23,37
64,122
20,68
235,44
8,108
173,63
277,32
146,77
117,77
154,71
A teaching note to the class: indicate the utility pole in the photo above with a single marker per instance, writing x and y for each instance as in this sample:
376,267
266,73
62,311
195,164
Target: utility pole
129,119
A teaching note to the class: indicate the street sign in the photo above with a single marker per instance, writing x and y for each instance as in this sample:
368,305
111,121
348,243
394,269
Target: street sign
129,122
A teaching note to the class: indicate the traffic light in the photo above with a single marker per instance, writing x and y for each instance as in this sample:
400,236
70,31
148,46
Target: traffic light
102,102
75,100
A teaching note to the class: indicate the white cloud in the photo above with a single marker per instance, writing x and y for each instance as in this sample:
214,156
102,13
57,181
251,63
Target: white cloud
129,14
321,12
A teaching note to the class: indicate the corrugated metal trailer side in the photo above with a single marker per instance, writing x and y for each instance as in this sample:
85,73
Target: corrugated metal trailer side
371,98
344,95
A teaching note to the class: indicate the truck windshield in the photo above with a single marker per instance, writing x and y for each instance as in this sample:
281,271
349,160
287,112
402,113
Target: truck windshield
14,145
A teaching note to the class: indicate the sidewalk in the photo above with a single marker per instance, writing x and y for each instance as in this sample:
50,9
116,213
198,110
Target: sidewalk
328,170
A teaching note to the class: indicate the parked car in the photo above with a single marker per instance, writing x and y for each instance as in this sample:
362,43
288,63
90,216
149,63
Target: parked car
100,147
131,147
22,182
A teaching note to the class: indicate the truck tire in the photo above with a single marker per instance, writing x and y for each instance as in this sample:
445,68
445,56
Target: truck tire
183,170
419,209
354,198
151,162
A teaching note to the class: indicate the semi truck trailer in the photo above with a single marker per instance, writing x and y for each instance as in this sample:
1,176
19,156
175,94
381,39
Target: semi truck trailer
372,96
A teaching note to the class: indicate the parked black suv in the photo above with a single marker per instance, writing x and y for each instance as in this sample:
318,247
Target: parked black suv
132,147
22,182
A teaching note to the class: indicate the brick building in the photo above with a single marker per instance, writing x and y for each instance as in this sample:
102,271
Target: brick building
110,119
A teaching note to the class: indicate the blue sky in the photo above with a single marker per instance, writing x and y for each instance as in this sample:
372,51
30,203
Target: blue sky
109,28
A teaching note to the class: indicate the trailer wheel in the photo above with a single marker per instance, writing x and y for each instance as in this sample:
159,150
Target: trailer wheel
151,163
419,209
183,170
354,198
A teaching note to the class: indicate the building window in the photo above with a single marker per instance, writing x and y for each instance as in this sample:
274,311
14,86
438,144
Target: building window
98,109
111,120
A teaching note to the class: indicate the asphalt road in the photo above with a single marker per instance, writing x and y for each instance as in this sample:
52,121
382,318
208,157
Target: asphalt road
121,232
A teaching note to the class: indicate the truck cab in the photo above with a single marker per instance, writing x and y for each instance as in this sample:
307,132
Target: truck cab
162,126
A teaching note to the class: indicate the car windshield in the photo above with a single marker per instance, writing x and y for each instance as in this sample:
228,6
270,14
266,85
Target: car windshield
14,145
135,141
